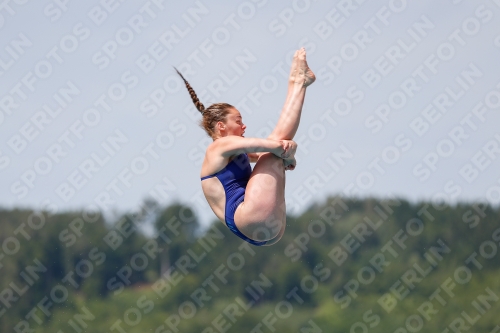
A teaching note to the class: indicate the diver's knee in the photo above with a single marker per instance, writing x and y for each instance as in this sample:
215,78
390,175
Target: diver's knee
268,156
273,162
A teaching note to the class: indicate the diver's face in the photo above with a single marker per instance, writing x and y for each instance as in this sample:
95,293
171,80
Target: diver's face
234,123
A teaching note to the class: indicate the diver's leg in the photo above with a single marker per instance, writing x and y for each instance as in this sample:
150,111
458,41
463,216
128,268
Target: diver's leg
282,223
300,77
261,215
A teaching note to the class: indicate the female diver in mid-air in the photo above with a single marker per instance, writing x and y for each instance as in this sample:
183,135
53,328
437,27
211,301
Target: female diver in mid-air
252,203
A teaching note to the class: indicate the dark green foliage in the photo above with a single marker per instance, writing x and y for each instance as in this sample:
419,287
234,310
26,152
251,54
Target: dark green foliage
331,270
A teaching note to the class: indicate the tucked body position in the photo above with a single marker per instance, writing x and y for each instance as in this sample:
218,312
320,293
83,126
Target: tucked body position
252,202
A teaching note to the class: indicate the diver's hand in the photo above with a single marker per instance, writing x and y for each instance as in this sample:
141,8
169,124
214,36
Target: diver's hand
289,149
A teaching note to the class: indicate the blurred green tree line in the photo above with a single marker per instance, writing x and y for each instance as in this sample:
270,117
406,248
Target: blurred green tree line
344,265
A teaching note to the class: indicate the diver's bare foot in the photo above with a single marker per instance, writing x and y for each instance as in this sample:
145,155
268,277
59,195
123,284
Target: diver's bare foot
305,75
290,163
308,73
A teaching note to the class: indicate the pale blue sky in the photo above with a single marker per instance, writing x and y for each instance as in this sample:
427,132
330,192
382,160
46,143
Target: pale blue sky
265,34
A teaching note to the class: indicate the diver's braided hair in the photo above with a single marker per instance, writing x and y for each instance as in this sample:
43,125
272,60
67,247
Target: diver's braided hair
211,115
199,106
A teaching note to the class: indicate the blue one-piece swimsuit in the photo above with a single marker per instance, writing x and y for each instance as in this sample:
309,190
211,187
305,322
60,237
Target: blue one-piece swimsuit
234,178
